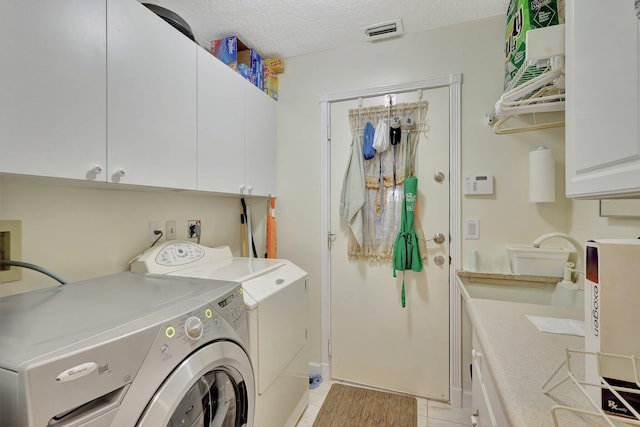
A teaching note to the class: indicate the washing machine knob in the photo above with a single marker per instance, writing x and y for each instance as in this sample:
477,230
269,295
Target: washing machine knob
193,328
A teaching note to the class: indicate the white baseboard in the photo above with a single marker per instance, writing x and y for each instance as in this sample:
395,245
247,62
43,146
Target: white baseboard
457,397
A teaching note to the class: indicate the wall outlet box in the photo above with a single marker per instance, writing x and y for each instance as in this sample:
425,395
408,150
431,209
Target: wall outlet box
478,184
10,249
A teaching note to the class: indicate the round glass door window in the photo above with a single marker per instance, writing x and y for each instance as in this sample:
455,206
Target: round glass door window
217,399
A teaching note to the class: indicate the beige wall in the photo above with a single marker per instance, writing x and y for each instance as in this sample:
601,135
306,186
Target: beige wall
80,232
474,49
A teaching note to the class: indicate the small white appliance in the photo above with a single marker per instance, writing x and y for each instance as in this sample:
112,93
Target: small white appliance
126,350
275,296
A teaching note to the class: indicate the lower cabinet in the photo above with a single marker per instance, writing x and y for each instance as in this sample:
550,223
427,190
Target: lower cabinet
487,408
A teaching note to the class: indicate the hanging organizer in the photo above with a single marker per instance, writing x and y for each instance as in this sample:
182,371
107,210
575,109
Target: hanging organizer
538,86
609,418
384,178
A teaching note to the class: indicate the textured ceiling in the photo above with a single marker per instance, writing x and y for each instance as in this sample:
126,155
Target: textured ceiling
288,28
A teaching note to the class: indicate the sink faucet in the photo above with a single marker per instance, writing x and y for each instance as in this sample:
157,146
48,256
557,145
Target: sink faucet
574,242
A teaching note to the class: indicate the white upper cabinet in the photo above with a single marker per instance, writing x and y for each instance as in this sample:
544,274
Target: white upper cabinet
105,90
220,126
151,113
53,88
602,112
236,132
260,143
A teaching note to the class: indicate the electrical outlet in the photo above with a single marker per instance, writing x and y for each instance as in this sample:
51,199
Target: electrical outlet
194,228
10,249
155,226
170,232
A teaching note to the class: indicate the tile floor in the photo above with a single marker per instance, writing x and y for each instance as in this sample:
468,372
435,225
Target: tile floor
430,413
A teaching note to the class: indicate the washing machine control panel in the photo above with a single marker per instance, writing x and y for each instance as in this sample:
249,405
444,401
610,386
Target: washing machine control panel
200,324
232,308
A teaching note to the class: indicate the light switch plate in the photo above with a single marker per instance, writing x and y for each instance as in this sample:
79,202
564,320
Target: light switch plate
472,229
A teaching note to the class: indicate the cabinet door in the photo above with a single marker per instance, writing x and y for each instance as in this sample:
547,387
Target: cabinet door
486,403
151,99
260,143
602,115
52,87
220,126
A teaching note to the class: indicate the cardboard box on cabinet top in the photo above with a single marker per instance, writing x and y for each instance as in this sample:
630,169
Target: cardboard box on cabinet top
233,52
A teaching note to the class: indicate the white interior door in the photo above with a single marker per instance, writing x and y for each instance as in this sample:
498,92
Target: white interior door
374,341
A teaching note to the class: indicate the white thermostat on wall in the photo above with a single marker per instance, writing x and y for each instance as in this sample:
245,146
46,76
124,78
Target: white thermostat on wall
478,184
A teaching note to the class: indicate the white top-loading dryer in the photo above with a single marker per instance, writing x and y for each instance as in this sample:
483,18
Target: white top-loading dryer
275,296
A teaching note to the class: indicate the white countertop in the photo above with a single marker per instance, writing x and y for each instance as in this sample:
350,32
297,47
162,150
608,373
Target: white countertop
521,359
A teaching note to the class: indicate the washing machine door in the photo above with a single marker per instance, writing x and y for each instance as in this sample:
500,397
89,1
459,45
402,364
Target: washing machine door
213,387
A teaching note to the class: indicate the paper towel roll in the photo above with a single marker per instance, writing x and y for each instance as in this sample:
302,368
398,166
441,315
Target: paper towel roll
542,182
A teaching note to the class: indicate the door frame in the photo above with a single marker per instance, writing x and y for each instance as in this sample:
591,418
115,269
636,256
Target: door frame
453,82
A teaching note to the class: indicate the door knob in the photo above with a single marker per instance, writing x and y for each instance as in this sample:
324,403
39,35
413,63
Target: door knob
438,238
438,260
438,177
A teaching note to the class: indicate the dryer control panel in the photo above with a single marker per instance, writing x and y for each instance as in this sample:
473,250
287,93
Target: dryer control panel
179,253
174,255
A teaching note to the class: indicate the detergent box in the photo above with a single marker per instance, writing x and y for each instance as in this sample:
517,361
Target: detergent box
233,52
522,16
275,64
270,82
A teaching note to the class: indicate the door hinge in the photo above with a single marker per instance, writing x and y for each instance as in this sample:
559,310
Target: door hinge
329,347
330,238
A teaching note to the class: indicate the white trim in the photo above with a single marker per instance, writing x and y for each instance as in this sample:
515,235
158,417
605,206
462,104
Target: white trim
455,301
453,81
325,224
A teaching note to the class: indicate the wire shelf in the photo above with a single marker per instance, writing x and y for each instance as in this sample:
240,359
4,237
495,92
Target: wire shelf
609,418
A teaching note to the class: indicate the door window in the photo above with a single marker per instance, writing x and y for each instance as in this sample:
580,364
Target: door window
217,399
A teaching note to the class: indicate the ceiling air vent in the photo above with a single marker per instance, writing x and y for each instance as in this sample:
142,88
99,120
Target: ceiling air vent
383,30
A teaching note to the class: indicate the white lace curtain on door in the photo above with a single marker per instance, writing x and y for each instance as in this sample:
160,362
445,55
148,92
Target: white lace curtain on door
384,176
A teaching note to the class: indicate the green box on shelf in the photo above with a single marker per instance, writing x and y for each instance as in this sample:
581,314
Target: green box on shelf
522,16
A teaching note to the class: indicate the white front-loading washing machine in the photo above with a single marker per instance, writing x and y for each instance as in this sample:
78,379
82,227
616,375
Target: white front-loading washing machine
126,350
275,296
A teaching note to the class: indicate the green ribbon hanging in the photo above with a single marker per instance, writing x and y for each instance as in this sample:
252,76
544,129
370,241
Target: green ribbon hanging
406,252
